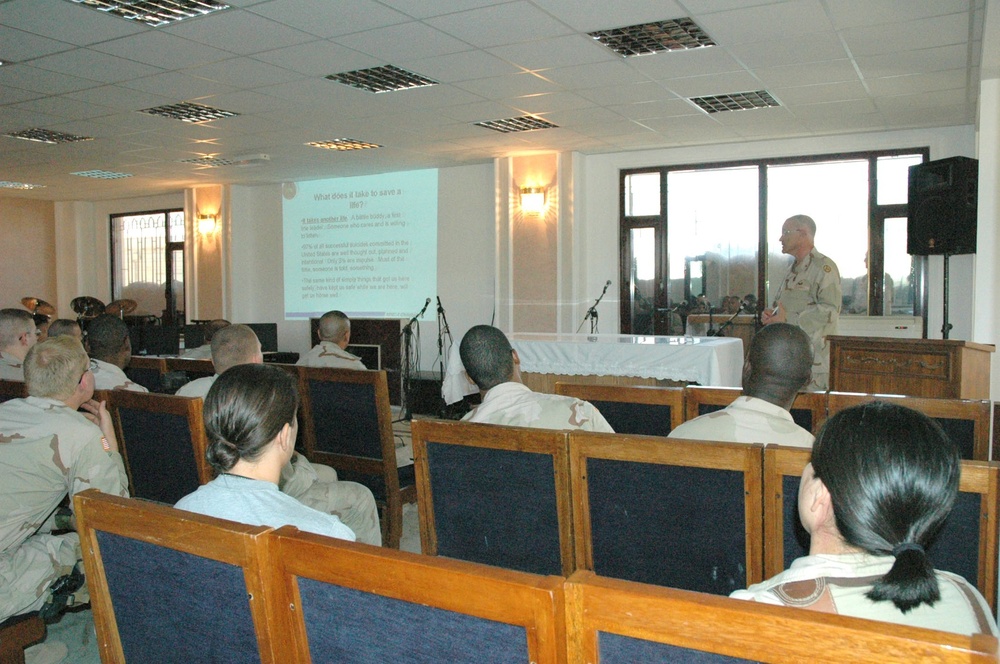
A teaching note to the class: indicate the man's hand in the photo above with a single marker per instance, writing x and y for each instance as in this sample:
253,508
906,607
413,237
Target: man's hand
776,315
97,412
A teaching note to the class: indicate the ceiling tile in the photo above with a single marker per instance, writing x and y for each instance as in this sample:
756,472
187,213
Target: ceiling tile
556,52
162,50
19,46
925,33
66,21
593,15
501,24
330,18
231,30
93,65
766,23
399,44
318,58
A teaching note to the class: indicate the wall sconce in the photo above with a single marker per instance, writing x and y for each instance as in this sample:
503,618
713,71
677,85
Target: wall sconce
207,224
532,200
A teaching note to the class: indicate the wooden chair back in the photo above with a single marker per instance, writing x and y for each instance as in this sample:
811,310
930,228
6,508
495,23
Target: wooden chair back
966,421
193,368
172,586
967,544
338,601
808,410
147,371
12,389
640,410
684,514
619,622
348,425
162,440
494,494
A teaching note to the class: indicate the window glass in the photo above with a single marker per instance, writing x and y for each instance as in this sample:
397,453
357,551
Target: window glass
642,279
892,175
712,223
835,195
900,276
642,194
146,268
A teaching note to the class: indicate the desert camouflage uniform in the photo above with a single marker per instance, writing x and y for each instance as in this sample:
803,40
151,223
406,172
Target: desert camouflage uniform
47,451
10,368
317,486
202,352
746,420
513,404
109,377
811,295
329,354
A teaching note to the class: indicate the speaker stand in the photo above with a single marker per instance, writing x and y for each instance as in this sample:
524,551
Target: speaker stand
946,327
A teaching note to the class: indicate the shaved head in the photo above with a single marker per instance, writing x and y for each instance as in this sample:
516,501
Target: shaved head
779,364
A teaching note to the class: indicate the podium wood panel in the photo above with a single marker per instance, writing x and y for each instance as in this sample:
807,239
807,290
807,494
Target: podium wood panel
934,368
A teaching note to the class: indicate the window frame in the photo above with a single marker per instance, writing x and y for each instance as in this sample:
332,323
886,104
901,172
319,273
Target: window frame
170,316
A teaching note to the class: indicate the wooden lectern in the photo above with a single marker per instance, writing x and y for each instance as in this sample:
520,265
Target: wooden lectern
935,368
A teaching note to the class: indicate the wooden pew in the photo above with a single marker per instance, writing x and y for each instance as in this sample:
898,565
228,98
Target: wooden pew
618,622
808,410
336,601
642,410
147,371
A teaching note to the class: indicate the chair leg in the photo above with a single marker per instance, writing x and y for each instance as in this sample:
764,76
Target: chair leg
18,633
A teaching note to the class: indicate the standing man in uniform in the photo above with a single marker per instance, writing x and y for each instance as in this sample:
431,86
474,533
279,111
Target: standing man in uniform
810,295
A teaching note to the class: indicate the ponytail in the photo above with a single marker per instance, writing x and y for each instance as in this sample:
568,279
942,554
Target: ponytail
911,581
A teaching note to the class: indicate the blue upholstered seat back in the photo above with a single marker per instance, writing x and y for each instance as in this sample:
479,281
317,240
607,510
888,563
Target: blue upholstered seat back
496,507
172,606
636,418
345,625
962,433
668,525
160,454
796,539
151,379
345,416
618,649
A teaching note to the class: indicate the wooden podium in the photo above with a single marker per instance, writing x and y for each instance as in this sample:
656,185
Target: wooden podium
936,368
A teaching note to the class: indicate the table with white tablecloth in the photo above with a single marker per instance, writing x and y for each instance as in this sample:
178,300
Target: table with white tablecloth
715,361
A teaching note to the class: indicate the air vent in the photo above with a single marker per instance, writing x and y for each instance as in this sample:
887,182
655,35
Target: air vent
188,112
736,101
344,144
102,175
382,79
523,123
671,35
4,184
154,13
47,136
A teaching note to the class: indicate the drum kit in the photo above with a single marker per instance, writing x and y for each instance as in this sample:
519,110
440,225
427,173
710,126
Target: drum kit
85,307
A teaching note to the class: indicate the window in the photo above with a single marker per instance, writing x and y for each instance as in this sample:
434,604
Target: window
147,257
704,237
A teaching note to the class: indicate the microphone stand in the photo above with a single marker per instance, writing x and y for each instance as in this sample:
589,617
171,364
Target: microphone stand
728,323
407,413
443,331
711,324
592,312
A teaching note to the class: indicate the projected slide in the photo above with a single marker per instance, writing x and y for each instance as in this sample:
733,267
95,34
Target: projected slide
364,245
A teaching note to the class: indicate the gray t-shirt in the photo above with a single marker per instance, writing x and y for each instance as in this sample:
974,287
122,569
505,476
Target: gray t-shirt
260,503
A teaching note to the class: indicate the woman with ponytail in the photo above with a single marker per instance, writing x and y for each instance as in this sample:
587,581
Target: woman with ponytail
881,483
250,418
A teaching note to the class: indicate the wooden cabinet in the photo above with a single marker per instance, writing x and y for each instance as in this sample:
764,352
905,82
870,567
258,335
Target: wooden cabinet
936,368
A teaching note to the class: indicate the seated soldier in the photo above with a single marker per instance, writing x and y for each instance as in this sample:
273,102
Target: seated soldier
778,365
204,351
111,348
65,327
314,485
493,365
17,335
48,450
335,335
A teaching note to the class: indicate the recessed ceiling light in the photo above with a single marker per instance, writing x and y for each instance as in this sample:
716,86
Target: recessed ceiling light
189,112
735,101
102,175
217,160
523,123
344,144
382,79
4,184
47,136
154,13
645,38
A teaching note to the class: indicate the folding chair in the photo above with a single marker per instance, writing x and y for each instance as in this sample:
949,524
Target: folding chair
348,425
494,494
641,410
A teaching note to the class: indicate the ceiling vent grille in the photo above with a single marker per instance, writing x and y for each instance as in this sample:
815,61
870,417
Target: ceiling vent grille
102,175
736,101
154,13
646,38
382,79
188,112
510,125
47,136
240,161
4,184
344,144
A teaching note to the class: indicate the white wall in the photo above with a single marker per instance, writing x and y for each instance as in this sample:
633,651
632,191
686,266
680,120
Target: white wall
599,213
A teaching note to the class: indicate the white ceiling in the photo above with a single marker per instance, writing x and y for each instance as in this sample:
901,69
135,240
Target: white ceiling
836,66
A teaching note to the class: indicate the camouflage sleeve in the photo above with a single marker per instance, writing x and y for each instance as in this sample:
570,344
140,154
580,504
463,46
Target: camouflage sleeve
819,316
598,423
297,476
93,468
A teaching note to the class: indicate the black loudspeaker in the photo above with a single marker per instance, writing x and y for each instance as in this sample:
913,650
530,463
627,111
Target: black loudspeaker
942,207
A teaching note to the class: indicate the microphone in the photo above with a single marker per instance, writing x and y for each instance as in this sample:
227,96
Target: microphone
607,284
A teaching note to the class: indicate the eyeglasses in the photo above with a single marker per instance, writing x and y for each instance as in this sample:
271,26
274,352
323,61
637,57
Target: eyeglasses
790,231
91,367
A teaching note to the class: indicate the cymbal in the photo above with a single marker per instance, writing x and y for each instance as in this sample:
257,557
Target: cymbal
37,306
86,306
121,307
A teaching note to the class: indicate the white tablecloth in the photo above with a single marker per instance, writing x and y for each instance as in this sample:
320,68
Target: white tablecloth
716,361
